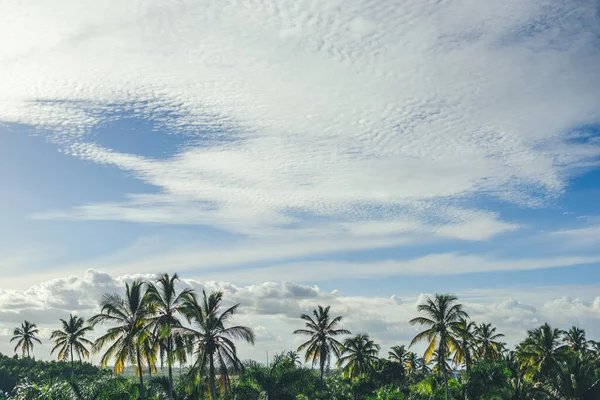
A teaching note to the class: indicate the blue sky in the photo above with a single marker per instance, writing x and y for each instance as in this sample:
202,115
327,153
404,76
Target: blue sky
322,145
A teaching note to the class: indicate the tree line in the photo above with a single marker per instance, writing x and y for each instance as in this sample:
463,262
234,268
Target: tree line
155,325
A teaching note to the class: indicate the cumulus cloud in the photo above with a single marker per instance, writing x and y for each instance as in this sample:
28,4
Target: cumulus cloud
307,112
273,309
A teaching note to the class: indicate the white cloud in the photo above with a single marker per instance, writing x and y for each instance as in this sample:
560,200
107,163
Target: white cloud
315,111
273,309
432,264
588,236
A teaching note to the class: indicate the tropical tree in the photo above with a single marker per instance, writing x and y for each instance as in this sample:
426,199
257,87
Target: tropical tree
575,339
212,340
294,357
358,355
443,314
130,314
399,354
540,351
464,332
71,339
575,377
25,335
322,343
412,362
166,305
487,341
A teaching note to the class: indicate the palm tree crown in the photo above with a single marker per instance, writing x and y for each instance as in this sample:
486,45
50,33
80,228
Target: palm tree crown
539,351
488,345
212,340
575,339
71,339
443,316
25,335
322,343
358,355
400,355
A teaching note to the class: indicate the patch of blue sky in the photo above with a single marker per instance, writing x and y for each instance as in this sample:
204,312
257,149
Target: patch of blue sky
47,179
157,131
413,285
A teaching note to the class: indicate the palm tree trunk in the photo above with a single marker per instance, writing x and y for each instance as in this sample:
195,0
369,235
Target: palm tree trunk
322,368
211,379
444,372
72,365
29,361
169,364
140,372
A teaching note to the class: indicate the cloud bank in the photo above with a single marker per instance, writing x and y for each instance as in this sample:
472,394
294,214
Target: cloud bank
273,309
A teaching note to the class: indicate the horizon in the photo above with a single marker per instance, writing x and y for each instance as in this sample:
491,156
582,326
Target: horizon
356,154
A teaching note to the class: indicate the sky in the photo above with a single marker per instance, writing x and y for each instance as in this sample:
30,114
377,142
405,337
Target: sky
360,154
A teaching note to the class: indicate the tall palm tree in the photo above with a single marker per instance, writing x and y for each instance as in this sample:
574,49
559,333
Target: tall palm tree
443,315
464,333
212,340
489,347
575,339
540,351
322,343
358,355
71,339
130,314
25,335
166,304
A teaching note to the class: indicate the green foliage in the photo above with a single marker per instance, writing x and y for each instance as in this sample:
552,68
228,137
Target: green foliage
463,360
486,380
282,380
13,370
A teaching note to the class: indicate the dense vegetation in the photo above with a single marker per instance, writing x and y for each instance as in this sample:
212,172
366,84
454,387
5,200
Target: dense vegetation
156,329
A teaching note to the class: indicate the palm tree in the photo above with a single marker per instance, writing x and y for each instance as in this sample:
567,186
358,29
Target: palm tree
399,354
443,315
575,339
25,336
540,350
211,340
294,357
322,343
130,315
358,354
488,345
71,339
166,304
574,378
412,362
464,333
